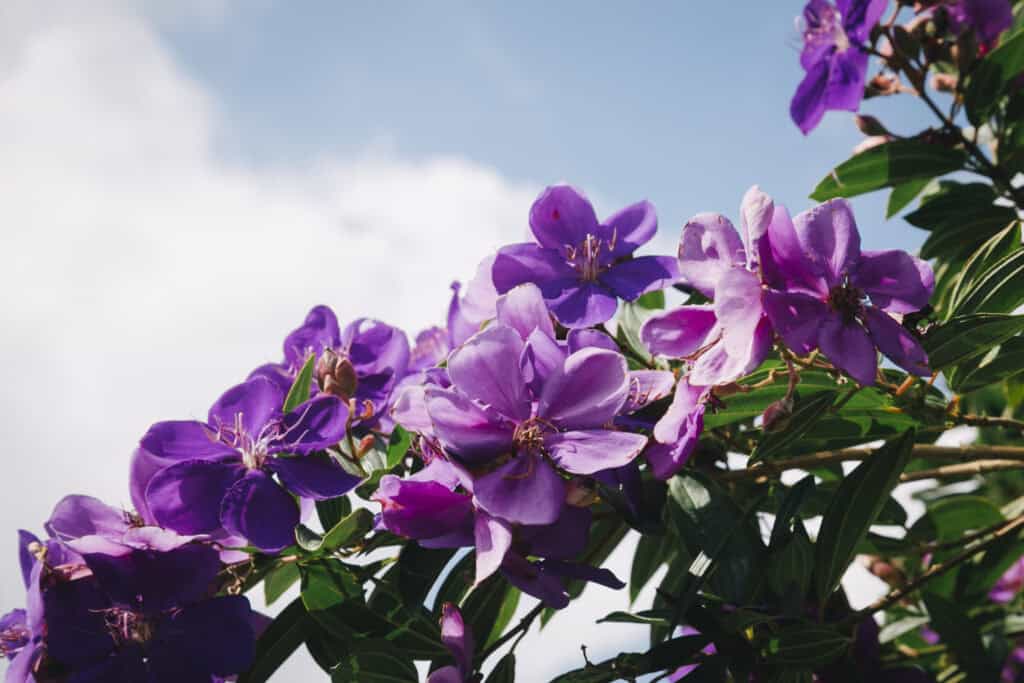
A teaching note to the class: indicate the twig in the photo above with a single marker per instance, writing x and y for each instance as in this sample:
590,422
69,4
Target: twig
963,469
985,421
523,625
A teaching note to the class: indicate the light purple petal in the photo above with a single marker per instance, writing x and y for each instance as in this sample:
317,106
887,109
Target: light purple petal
76,516
516,264
831,242
632,227
186,496
493,538
677,432
588,391
409,408
634,277
465,429
316,476
593,450
796,317
680,332
562,215
582,338
542,357
467,312
896,281
184,440
756,212
648,386
783,264
525,490
256,401
457,638
896,342
523,309
314,425
583,304
26,560
738,309
375,348
256,508
709,247
687,401
718,366
486,368
849,347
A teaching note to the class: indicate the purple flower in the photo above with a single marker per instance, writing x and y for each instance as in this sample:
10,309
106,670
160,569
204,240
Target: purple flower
988,18
1009,584
459,641
685,670
677,433
582,265
470,309
834,58
731,337
839,299
198,478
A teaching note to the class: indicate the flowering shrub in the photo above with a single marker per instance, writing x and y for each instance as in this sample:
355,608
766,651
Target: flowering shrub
707,400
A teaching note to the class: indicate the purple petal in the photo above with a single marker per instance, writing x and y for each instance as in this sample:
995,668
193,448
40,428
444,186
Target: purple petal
581,572
314,425
466,429
680,332
896,281
486,368
77,516
493,538
756,212
845,88
860,16
783,263
375,348
516,264
184,440
808,104
446,674
796,317
523,309
429,349
582,338
849,347
466,313
20,669
254,402
524,490
410,408
709,247
634,277
632,227
563,540
896,342
318,331
648,386
542,356
422,509
186,496
593,450
677,432
26,560
212,637
738,309
589,390
718,366
583,304
156,581
562,215
258,509
315,476
278,373
529,578
457,638
831,242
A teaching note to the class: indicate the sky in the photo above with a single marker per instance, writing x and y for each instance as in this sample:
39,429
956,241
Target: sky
182,181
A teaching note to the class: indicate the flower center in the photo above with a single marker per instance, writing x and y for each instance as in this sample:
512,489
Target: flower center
529,435
845,300
586,258
254,450
126,626
824,25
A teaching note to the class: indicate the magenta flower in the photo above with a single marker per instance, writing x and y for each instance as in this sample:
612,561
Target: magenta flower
834,57
198,478
839,299
582,265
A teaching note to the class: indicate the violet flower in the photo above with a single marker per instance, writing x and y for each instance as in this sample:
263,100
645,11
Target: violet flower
459,641
834,57
197,478
988,19
582,265
839,299
1009,584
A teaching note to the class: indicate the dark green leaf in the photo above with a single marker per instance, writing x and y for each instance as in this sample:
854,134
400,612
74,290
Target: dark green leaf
807,645
376,661
332,511
1000,364
646,618
994,250
299,392
948,519
283,636
482,606
789,509
968,336
806,412
991,77
349,531
307,539
654,301
505,614
962,638
652,552
326,584
792,565
1000,289
418,568
858,501
902,195
504,671
961,218
888,165
279,581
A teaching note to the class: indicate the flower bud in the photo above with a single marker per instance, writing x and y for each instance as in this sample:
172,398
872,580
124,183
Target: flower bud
944,82
884,84
869,125
336,375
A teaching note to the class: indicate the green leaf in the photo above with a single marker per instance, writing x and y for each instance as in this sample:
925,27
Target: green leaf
307,539
332,511
888,165
967,336
856,504
326,584
418,569
806,412
947,519
807,645
505,614
283,636
376,661
504,671
1000,289
792,565
962,638
349,531
299,393
994,250
647,617
961,217
631,318
903,194
652,551
278,581
1000,364
482,606
398,446
992,75
653,301
789,509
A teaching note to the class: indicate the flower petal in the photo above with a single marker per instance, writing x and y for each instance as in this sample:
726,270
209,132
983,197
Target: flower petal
756,212
896,342
738,309
523,309
562,215
849,348
493,538
718,366
529,578
257,401
831,242
583,304
808,104
316,476
486,369
314,425
796,317
76,516
457,638
186,496
632,227
563,540
588,390
318,331
860,16
847,72
467,312
581,572
679,332
422,509
524,490
184,440
709,246
582,338
465,429
542,356
214,636
257,509
896,281
446,674
648,386
516,264
593,450
636,276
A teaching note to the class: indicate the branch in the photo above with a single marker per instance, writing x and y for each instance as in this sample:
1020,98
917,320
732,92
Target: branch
523,625
984,421
963,469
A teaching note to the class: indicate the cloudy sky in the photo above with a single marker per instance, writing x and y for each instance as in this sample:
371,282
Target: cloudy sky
181,181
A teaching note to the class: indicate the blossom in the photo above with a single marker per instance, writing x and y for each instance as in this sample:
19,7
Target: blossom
459,641
582,265
677,433
199,477
988,18
1009,584
833,57
839,299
